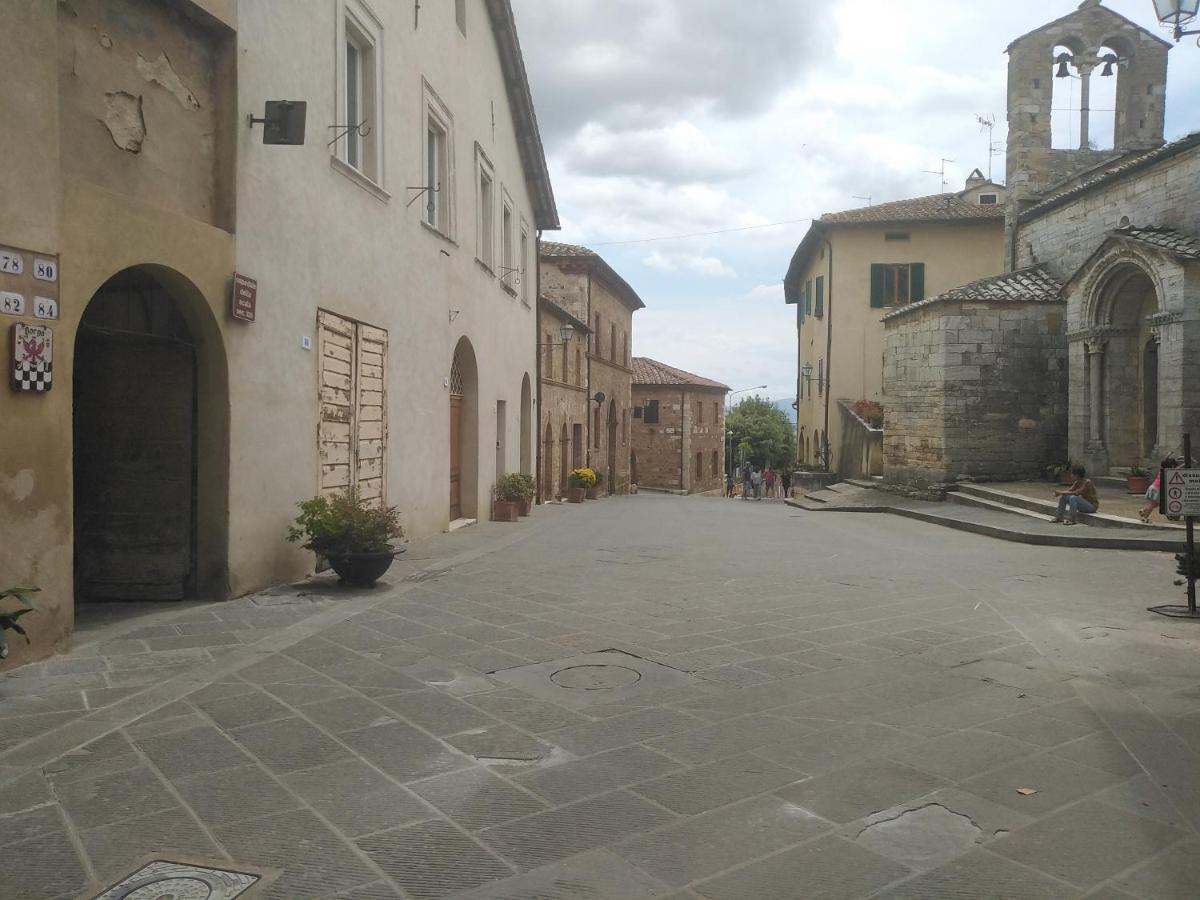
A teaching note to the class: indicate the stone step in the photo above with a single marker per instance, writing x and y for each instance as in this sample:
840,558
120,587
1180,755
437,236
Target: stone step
1049,507
962,498
823,496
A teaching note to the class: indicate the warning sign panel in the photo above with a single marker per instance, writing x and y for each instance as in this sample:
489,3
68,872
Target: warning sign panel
1182,492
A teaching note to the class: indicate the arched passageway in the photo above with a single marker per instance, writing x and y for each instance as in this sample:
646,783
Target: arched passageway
464,433
526,421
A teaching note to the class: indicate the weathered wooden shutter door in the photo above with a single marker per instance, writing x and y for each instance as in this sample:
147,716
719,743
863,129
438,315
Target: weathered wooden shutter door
820,297
371,414
336,438
916,282
878,284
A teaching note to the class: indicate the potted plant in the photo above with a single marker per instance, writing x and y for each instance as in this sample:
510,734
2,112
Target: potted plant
1137,480
528,493
594,491
9,621
354,534
1060,473
510,494
579,482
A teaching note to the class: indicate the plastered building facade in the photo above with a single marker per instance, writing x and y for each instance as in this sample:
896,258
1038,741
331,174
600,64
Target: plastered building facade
393,347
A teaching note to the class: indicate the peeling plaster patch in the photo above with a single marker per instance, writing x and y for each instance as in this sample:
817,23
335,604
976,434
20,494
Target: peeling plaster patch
105,41
124,121
20,486
923,837
161,72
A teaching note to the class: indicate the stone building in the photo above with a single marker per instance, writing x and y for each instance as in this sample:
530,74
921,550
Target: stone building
580,285
849,270
565,402
1119,229
678,429
393,344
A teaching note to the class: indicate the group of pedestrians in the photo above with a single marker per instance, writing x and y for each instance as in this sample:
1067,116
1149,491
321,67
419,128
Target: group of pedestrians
758,484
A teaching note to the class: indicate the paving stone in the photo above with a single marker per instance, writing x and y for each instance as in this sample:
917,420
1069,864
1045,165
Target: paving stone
525,712
114,851
1173,875
499,741
347,714
377,890
1143,797
963,754
857,791
563,832
287,745
977,876
1040,729
476,799
314,860
24,792
114,798
456,680
838,747
404,752
728,738
241,710
571,781
702,846
192,752
433,859
301,695
437,713
43,866
280,669
1057,782
595,737
24,826
1088,843
831,868
234,795
184,642
596,874
706,787
356,798
1099,751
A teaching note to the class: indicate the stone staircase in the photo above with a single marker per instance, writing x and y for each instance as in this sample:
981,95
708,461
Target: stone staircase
981,496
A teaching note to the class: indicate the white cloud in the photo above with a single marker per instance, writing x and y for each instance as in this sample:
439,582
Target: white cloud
706,266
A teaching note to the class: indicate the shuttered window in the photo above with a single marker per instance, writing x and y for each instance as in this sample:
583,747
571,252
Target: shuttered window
819,310
652,413
353,426
897,285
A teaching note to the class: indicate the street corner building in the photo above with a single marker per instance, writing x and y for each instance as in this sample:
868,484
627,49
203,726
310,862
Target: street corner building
585,325
378,187
678,429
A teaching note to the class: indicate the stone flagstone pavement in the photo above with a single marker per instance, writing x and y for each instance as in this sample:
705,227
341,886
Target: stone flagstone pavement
743,702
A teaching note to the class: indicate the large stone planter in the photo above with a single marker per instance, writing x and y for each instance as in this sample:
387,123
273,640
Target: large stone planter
362,569
593,493
576,495
526,508
506,511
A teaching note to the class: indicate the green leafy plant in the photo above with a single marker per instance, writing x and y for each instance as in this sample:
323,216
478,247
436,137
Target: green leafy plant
1138,472
516,487
1054,470
10,620
345,523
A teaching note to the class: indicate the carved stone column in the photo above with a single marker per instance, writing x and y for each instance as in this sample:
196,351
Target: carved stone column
1095,350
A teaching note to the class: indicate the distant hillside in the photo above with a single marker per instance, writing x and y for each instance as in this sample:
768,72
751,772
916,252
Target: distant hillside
786,406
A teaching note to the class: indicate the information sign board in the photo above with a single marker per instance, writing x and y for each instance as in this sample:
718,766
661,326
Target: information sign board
1182,492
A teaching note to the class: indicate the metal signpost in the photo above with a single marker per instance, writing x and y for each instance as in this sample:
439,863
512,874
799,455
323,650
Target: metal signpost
1179,495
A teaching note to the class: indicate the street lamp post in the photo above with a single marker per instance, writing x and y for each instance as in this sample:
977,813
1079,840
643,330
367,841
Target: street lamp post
728,433
1175,14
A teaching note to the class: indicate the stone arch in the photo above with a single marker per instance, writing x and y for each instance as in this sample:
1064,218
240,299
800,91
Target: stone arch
150,432
526,419
548,486
464,432
564,468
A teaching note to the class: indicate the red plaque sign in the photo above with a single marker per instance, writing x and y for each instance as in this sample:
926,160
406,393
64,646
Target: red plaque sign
245,297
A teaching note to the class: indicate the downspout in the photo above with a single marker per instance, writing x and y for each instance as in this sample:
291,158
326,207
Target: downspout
828,351
537,344
682,444
595,346
799,383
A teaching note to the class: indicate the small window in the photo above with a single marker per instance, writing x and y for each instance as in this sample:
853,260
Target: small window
716,459
486,252
819,310
439,156
637,412
578,368
566,360
897,285
612,342
596,337
359,110
652,413
989,199
523,263
897,236
625,349
820,378
460,14
808,297
508,268
699,413
549,348
596,430
716,413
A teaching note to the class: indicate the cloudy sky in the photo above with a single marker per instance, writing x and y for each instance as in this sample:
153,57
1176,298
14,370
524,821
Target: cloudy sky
677,117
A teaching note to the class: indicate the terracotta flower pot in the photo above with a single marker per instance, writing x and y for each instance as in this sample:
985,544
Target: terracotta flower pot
576,495
1138,484
506,511
593,493
526,507
362,569
1066,477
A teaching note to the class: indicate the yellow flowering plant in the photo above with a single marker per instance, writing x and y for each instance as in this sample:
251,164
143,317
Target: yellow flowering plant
583,478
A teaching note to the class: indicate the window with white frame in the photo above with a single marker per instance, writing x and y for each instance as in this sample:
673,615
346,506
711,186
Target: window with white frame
508,260
359,121
524,261
486,203
439,162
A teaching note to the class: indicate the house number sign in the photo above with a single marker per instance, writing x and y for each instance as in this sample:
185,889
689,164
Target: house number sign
28,283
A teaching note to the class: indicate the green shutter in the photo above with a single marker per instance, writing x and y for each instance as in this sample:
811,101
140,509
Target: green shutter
808,297
916,288
820,311
878,284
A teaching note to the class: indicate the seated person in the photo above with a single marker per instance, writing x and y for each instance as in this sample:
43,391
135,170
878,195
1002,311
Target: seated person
1081,497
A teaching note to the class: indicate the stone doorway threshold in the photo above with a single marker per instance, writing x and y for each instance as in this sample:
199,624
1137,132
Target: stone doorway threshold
459,524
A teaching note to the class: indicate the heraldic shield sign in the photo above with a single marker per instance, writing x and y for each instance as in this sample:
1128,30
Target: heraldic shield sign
32,358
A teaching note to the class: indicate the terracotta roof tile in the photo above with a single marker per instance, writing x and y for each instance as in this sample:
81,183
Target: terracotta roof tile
555,249
1034,285
934,208
1174,242
651,371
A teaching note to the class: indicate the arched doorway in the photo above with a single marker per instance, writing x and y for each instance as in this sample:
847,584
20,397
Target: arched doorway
150,440
548,491
526,426
611,476
564,469
1123,371
464,433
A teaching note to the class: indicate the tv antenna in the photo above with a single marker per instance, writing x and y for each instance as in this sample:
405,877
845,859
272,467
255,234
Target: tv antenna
868,198
988,124
941,173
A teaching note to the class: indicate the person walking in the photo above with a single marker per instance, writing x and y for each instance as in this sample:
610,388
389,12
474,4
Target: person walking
786,478
728,484
756,481
769,482
747,480
1155,491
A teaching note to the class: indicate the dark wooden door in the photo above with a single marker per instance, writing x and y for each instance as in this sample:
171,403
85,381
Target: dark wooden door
134,469
455,458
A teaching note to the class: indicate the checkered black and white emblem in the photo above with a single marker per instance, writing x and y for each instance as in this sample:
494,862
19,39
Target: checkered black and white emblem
32,358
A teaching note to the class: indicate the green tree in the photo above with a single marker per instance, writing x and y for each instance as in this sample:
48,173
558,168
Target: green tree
765,430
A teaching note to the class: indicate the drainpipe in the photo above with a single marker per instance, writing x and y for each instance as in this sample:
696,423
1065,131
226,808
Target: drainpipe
799,383
595,346
682,445
537,344
828,351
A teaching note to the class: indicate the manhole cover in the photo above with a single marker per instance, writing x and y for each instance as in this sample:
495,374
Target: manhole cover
162,880
596,678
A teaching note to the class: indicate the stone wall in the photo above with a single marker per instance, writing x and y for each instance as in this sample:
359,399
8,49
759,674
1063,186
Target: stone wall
975,389
669,453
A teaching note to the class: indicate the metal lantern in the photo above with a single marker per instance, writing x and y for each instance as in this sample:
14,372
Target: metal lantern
1176,13
566,332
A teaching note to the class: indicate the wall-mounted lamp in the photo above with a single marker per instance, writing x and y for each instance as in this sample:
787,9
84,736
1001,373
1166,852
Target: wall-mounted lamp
565,332
505,272
1177,13
599,398
283,122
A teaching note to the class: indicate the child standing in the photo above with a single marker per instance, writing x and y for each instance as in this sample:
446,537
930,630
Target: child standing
1155,491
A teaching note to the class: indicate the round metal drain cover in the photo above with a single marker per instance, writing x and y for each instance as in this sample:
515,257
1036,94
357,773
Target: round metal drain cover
172,889
596,678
